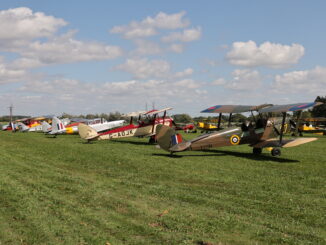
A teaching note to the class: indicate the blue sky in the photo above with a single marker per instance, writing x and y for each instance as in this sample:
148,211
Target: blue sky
84,57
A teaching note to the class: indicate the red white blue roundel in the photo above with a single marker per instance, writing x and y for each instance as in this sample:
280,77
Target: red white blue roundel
235,139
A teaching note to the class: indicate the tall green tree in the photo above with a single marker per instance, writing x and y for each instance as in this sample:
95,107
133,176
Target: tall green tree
182,118
319,111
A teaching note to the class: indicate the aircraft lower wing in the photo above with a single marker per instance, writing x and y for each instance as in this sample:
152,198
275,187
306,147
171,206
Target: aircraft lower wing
285,143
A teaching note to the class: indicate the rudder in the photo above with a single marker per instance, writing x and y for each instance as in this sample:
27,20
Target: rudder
86,132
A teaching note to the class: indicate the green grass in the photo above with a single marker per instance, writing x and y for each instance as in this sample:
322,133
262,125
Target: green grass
62,191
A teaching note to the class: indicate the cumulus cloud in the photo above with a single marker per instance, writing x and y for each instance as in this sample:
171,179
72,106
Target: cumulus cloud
187,35
144,68
146,47
78,97
243,79
268,54
307,81
33,36
8,75
184,73
150,25
176,48
63,49
22,23
219,81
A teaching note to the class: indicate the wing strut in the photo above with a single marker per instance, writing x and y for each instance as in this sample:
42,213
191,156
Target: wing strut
164,115
229,124
282,128
297,125
219,121
154,119
253,116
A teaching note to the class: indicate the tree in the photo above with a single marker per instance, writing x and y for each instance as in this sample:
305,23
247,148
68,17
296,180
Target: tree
319,111
114,116
182,118
239,118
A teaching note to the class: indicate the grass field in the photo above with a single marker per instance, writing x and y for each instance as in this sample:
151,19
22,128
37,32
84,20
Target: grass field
63,191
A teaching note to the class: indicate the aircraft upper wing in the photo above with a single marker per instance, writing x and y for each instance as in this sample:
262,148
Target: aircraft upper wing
23,119
157,111
290,107
285,143
233,108
39,118
134,114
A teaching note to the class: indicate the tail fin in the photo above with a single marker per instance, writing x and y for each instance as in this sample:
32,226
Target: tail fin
86,132
46,127
169,140
57,126
22,127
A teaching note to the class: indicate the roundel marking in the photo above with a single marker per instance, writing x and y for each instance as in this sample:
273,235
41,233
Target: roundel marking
235,139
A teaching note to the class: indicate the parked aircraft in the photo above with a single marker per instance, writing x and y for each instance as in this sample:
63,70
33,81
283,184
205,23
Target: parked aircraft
61,127
315,125
259,134
146,127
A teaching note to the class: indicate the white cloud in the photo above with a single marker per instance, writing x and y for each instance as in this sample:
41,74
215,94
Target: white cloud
268,54
144,68
78,97
187,35
22,23
32,35
63,49
146,47
243,79
148,26
176,48
186,72
219,81
8,75
307,81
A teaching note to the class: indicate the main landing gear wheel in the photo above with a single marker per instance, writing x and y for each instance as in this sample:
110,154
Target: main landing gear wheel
276,152
257,151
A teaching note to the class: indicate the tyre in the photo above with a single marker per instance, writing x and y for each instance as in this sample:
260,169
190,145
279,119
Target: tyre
276,152
152,140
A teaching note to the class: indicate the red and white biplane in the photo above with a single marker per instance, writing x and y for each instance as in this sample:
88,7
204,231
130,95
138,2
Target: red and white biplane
145,127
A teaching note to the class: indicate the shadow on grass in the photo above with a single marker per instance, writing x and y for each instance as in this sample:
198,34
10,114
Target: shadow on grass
131,142
217,153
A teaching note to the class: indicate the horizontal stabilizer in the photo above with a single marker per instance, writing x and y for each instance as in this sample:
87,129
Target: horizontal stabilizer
181,146
285,143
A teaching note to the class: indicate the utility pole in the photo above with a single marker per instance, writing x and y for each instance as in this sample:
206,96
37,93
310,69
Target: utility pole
11,107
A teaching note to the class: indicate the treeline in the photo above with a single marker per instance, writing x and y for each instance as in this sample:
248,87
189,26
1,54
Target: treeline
7,118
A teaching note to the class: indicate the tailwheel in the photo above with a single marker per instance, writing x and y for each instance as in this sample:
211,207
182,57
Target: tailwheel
276,152
152,140
257,151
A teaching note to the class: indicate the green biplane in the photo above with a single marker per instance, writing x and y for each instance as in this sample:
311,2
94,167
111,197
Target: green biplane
261,133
